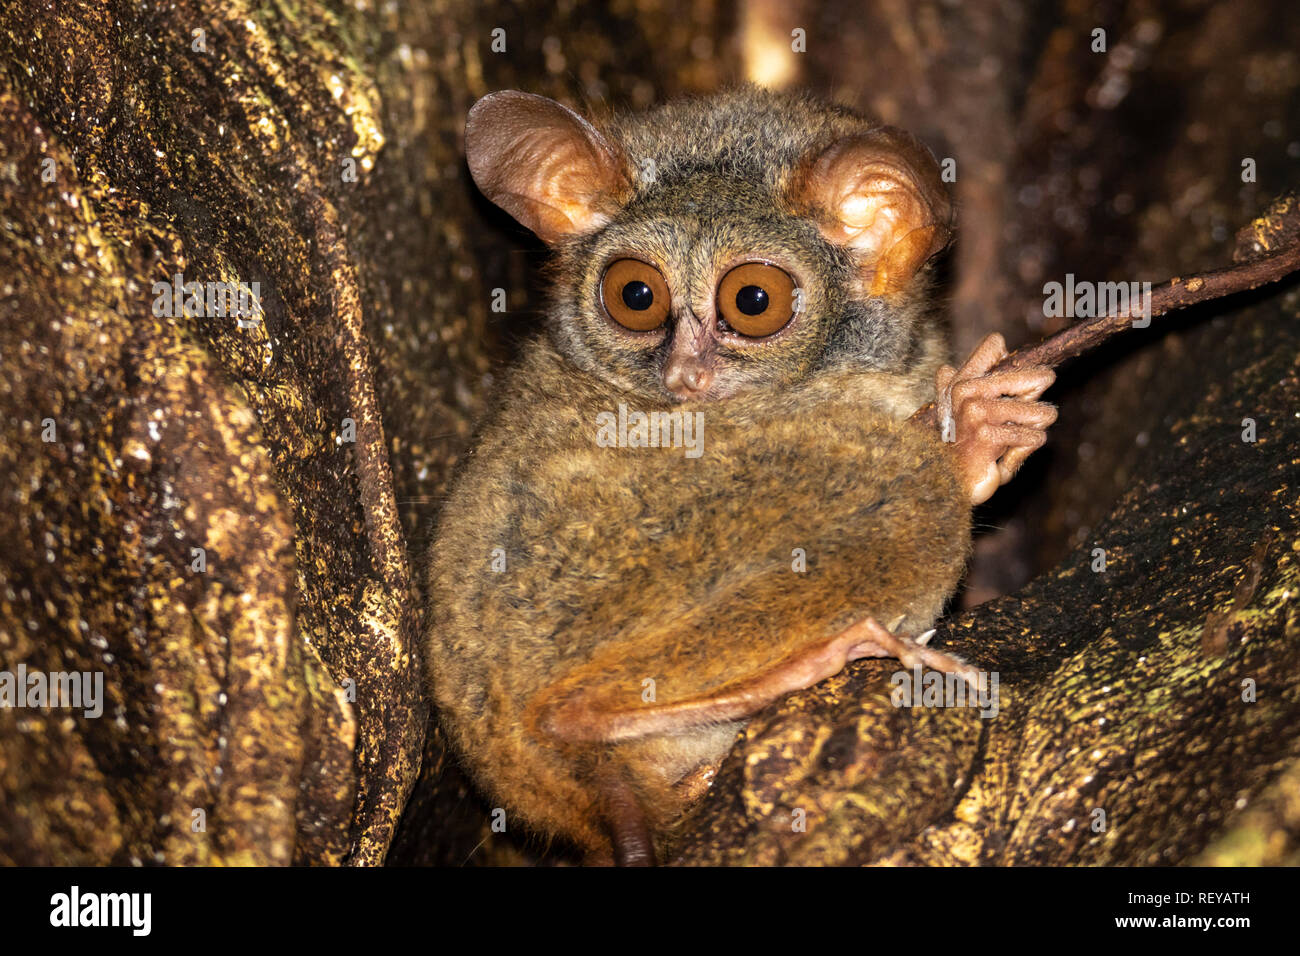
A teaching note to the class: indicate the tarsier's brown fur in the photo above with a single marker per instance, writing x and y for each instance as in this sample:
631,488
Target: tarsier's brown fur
628,564
603,619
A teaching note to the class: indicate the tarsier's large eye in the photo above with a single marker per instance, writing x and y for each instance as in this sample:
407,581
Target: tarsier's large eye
635,295
756,299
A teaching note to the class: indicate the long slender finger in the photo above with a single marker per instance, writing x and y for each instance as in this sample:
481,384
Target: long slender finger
1022,383
987,354
999,411
1010,436
979,456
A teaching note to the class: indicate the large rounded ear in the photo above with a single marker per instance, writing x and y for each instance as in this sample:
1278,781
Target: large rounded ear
879,194
544,164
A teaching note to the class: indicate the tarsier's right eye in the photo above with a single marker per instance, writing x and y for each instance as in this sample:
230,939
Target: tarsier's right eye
635,295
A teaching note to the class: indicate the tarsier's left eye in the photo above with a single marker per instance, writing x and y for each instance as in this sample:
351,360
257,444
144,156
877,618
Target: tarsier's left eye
756,299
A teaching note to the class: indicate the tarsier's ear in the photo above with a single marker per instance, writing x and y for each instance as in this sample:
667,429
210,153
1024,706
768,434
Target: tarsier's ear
880,194
544,164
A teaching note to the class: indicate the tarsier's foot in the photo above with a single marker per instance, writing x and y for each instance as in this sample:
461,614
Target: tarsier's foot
874,640
994,418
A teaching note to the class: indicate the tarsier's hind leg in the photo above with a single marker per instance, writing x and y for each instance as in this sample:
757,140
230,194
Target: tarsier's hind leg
589,717
594,716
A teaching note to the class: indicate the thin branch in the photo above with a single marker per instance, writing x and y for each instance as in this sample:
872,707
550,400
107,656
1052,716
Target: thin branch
1169,296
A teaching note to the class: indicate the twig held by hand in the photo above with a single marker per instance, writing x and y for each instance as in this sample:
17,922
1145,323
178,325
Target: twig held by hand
1178,293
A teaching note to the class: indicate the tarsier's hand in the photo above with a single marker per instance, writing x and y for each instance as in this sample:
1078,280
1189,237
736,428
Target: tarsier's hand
994,418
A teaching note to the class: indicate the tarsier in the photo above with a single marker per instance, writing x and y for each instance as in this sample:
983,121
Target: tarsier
603,620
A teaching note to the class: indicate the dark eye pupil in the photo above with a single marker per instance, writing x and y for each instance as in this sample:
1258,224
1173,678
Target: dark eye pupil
751,300
638,296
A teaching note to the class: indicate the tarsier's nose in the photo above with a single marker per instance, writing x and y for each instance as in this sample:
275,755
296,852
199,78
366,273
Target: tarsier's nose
686,372
686,377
